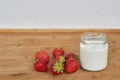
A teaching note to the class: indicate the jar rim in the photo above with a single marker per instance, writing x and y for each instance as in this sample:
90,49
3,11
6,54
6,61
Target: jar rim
98,36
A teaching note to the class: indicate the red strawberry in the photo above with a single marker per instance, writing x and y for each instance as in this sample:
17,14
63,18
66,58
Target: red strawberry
71,55
58,52
56,68
41,66
71,66
60,59
42,56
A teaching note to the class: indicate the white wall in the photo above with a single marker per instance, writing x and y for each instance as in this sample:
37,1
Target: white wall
59,13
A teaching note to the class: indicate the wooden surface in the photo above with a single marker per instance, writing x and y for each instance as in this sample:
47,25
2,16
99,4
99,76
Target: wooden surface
18,47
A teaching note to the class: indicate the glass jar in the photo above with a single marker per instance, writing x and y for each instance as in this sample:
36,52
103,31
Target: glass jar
93,51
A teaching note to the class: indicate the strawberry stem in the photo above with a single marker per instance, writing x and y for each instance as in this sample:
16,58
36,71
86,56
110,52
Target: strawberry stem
62,59
58,67
76,57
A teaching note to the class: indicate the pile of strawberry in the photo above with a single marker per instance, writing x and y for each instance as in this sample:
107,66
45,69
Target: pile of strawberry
60,64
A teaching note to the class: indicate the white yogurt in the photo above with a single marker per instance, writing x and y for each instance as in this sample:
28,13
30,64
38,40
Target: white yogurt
93,52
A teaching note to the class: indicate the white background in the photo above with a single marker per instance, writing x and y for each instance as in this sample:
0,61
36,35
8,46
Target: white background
59,14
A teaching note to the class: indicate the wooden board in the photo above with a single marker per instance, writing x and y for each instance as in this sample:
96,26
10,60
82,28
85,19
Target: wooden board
18,47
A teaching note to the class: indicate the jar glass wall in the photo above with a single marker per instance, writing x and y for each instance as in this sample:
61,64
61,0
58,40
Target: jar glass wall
93,51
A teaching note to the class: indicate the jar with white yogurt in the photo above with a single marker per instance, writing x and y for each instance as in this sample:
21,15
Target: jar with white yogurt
93,51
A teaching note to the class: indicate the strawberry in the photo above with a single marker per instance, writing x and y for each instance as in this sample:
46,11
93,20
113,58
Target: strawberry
56,68
71,66
42,56
60,59
58,52
71,55
40,66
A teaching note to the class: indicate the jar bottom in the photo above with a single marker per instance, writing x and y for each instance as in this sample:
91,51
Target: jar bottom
94,70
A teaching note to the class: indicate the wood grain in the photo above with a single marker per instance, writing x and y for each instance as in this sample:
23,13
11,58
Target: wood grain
17,49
